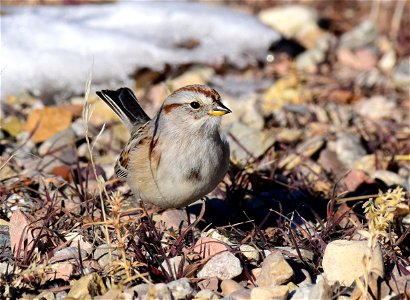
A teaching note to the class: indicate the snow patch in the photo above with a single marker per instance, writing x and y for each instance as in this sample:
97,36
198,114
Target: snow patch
50,50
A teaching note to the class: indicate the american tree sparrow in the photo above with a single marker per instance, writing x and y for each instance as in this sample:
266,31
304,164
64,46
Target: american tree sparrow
178,156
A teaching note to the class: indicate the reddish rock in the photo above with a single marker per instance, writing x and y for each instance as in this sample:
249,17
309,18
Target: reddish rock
207,247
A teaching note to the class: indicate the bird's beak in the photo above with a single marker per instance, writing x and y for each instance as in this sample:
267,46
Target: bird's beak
219,109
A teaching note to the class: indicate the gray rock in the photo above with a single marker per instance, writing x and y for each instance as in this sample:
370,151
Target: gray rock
174,265
401,75
319,291
57,150
389,178
308,60
247,142
362,35
224,266
376,107
348,148
101,255
181,288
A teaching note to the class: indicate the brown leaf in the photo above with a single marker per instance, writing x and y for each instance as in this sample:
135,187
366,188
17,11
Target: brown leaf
48,121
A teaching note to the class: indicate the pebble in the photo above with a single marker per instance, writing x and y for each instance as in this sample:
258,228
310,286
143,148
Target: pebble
174,265
208,247
362,35
241,294
348,148
277,292
343,261
401,75
86,286
282,18
176,219
321,290
223,266
389,178
376,107
181,288
275,270
206,295
101,255
228,286
247,142
250,252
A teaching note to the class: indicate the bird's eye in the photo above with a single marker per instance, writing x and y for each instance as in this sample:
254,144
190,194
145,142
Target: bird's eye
195,105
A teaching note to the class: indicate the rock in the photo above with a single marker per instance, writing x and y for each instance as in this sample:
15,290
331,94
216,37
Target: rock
201,75
309,60
87,287
139,290
68,253
275,270
208,247
181,288
319,291
343,261
277,292
362,35
160,291
247,142
206,295
102,256
356,178
5,238
47,122
285,91
113,293
241,294
305,149
22,233
368,163
223,266
213,233
389,178
401,75
45,296
60,146
12,125
209,283
376,107
249,252
348,148
62,270
5,268
228,286
362,59
174,265
245,111
176,219
79,241
282,18
388,61
329,162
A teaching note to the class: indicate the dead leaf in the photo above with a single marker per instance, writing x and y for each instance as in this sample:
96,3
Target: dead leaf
48,121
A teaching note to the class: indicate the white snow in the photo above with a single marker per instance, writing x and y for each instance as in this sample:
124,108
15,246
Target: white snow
50,50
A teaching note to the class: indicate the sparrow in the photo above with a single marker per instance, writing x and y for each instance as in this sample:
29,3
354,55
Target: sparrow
179,155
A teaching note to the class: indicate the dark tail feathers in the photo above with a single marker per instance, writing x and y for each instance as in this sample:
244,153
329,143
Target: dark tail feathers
124,103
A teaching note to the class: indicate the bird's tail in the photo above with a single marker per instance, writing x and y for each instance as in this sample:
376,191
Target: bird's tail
124,103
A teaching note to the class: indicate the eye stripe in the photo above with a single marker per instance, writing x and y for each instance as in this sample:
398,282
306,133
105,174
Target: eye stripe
169,107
